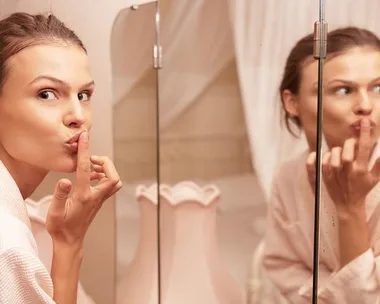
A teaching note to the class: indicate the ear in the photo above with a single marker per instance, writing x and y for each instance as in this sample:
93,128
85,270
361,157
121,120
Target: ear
290,103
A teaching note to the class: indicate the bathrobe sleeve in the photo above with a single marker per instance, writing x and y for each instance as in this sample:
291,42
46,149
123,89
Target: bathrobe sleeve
356,282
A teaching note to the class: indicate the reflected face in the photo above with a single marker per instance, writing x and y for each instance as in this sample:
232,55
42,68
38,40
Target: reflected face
44,103
351,91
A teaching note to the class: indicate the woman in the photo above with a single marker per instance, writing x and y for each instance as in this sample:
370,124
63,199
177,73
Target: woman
350,230
45,117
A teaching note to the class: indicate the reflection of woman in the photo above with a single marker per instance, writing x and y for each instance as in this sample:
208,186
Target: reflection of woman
350,226
45,92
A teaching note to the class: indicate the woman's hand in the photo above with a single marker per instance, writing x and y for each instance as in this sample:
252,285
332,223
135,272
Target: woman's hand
345,171
70,216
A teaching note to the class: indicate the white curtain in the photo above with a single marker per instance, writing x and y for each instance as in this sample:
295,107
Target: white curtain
197,45
131,48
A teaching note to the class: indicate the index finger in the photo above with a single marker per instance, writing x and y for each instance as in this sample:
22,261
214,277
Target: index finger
364,147
83,173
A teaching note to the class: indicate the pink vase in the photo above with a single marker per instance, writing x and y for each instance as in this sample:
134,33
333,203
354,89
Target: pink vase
191,268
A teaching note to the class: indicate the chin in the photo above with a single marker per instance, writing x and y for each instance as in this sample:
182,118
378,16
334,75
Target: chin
64,165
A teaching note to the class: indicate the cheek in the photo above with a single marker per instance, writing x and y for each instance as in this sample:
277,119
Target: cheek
376,113
308,112
88,123
42,122
336,113
31,123
31,138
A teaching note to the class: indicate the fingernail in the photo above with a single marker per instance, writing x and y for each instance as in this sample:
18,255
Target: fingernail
64,186
85,137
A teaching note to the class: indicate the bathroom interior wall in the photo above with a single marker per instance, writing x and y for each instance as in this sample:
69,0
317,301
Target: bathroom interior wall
135,140
203,134
209,140
93,22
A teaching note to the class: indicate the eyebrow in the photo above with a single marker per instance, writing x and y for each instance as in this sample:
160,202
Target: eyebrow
348,82
58,81
344,81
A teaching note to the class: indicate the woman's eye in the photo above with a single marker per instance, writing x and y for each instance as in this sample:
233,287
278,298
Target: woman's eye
377,88
343,91
47,95
84,96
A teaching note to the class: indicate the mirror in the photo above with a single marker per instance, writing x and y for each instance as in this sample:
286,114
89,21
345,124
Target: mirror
349,93
209,192
135,150
349,240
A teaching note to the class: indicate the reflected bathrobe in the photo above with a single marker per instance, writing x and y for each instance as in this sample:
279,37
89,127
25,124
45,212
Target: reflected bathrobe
288,253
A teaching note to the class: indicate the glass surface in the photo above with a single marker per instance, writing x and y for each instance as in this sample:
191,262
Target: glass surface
135,150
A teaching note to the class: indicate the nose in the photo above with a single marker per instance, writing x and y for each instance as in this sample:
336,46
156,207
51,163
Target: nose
75,115
364,106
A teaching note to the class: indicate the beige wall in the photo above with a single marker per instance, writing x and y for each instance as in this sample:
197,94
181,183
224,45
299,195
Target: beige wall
208,141
135,132
205,142
93,21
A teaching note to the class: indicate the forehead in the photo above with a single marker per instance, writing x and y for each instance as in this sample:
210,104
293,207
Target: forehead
68,63
356,65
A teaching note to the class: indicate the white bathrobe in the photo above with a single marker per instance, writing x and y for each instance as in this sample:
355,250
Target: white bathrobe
24,278
288,254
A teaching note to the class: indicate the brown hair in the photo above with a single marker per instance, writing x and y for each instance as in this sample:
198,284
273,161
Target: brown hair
338,42
22,30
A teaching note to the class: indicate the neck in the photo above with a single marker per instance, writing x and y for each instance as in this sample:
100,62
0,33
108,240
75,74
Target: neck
27,177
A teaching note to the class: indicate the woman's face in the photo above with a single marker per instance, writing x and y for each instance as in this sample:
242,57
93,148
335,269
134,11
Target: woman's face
44,103
351,83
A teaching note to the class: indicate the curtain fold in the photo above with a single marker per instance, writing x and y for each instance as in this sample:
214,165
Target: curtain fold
196,49
132,54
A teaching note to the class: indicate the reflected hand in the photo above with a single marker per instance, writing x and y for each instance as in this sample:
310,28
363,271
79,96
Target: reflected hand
69,216
345,171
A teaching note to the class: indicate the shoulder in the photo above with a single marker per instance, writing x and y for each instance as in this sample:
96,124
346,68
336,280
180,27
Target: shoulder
290,170
290,187
14,233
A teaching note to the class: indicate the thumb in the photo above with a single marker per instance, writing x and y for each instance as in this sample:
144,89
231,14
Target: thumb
61,194
310,166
